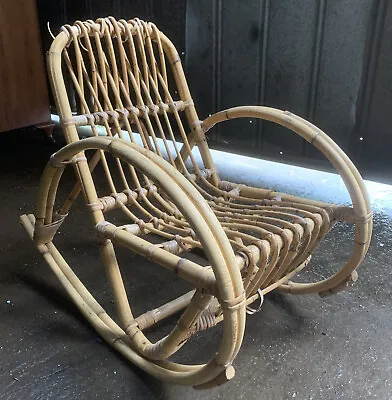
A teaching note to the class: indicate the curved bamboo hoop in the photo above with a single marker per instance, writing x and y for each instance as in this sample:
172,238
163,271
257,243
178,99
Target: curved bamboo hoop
346,169
202,220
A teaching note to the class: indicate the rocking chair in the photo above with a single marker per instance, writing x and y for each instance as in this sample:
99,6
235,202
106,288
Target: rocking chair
123,80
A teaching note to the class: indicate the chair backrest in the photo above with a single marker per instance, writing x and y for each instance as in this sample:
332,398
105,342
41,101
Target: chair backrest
121,77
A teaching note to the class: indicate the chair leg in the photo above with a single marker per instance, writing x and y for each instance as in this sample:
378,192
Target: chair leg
117,285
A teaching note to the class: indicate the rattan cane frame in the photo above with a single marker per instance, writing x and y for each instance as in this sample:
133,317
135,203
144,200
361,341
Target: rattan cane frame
120,75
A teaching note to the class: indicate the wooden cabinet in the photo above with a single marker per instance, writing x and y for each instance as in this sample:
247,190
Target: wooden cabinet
23,87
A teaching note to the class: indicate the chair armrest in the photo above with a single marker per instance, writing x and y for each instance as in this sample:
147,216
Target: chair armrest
343,165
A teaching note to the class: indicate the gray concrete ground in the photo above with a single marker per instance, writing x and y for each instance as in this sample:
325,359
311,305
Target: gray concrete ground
297,347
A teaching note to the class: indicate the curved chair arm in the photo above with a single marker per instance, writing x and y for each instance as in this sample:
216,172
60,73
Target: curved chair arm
360,214
201,219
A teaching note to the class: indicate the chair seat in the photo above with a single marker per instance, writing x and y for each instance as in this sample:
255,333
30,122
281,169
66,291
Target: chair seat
272,237
275,236
116,78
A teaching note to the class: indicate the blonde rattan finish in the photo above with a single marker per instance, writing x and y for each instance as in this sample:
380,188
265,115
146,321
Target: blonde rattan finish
126,77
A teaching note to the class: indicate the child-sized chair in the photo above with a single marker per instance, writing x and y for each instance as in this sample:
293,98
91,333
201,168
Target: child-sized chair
124,81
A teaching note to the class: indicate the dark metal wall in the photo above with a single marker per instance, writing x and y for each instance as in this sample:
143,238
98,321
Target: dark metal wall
326,60
169,15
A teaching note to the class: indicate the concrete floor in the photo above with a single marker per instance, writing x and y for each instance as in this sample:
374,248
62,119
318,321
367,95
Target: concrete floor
297,347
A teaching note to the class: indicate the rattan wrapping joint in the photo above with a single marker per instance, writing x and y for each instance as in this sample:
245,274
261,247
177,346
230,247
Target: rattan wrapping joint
234,304
45,233
172,246
206,320
181,243
347,214
134,229
61,164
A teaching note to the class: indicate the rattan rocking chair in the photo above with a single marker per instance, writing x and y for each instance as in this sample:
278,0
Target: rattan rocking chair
125,79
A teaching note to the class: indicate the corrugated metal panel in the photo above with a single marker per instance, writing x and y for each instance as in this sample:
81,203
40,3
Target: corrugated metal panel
341,68
201,44
328,61
292,65
168,14
376,102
